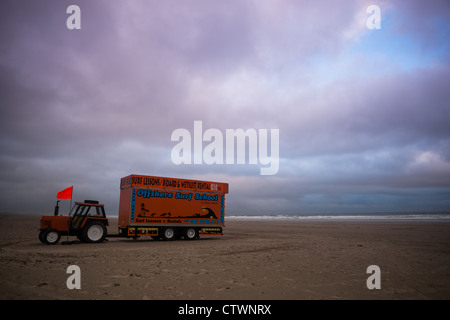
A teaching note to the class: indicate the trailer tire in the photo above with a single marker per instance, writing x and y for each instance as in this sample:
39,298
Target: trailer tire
94,232
50,236
168,234
190,234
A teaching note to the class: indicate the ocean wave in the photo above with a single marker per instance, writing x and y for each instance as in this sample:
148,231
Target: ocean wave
348,217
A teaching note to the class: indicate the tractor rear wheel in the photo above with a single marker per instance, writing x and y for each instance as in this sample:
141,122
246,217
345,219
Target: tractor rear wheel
94,232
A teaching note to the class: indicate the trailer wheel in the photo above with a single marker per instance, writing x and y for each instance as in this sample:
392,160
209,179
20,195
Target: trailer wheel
50,236
190,234
168,234
94,232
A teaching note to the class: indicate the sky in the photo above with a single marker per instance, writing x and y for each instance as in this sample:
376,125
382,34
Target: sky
362,114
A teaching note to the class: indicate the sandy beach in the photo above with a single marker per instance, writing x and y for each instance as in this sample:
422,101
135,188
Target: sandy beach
253,260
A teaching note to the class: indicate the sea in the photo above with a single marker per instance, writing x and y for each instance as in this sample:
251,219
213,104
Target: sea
413,216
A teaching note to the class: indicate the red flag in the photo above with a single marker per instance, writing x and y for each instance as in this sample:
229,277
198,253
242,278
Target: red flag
65,194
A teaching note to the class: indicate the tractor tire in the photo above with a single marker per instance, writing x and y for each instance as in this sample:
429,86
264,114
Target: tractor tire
41,236
168,234
49,236
94,232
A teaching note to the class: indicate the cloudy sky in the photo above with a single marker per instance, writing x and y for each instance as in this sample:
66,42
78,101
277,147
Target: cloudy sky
363,115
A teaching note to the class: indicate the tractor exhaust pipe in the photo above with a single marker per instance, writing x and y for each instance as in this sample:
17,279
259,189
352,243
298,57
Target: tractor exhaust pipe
56,208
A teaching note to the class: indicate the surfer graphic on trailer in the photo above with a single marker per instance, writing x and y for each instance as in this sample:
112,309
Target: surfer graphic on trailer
209,214
145,212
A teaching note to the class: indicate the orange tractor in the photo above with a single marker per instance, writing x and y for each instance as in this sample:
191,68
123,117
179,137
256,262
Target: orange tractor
87,220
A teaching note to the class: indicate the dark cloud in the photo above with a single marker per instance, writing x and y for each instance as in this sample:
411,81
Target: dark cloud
362,120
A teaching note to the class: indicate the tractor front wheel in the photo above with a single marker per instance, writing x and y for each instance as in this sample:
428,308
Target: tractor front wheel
49,236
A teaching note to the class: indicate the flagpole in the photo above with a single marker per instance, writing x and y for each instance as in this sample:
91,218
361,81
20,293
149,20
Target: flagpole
68,221
64,194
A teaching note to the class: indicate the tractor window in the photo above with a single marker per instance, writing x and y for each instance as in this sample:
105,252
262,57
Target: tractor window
72,210
87,211
95,212
78,211
90,212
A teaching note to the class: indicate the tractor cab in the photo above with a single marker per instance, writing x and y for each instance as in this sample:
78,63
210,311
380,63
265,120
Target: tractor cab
84,211
87,220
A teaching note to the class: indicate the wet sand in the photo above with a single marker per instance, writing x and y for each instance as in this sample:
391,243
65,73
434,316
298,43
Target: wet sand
253,260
